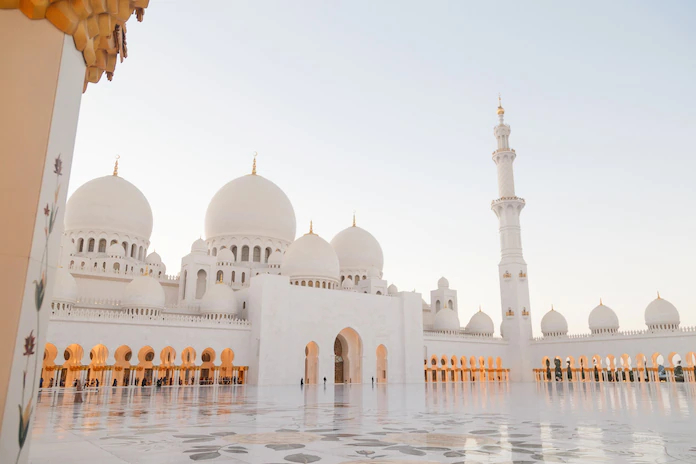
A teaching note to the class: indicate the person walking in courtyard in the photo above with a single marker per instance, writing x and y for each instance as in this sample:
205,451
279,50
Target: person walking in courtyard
324,381
78,391
301,383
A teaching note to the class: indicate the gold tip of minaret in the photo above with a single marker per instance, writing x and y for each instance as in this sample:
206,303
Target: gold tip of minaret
253,166
500,105
116,165
311,228
353,218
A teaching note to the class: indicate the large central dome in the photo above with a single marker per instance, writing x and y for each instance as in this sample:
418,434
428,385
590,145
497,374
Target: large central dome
250,206
109,204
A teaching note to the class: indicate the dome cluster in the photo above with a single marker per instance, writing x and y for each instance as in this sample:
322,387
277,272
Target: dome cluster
480,325
447,320
660,315
312,262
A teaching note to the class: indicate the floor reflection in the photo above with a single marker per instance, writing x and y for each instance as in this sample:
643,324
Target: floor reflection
449,422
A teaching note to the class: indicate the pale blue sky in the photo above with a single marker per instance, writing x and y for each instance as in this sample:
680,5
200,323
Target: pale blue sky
388,108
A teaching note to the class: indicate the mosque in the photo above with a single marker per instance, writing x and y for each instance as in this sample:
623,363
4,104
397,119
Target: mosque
254,304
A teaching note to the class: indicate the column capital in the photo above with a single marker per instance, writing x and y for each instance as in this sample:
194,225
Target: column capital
98,27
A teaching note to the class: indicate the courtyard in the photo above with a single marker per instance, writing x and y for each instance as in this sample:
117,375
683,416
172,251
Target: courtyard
433,423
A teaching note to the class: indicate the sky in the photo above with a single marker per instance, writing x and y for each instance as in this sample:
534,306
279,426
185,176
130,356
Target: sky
388,108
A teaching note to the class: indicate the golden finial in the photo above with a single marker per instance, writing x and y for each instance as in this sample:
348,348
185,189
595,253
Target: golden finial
600,301
220,279
147,271
116,165
311,229
253,167
353,218
658,295
500,105
552,307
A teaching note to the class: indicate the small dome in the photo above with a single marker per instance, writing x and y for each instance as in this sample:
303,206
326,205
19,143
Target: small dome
443,283
219,299
603,319
199,246
250,206
153,258
661,314
225,255
312,257
392,289
347,284
65,287
357,250
143,292
447,319
553,324
115,251
480,324
276,258
111,204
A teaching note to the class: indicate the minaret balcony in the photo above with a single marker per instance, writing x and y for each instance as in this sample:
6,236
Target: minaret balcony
504,199
507,275
522,275
525,312
501,150
510,313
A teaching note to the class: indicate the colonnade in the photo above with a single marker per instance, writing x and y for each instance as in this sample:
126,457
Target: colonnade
453,369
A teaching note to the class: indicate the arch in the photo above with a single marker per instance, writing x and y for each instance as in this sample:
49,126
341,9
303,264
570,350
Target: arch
348,351
450,305
98,356
183,287
49,370
122,366
245,253
382,364
311,375
102,245
234,251
80,245
226,365
267,254
207,366
214,252
201,283
71,367
243,277
90,246
134,249
219,277
438,305
140,253
188,364
125,248
257,254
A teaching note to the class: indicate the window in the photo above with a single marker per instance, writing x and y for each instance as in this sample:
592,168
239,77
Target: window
183,294
311,284
450,305
113,241
90,247
304,284
234,252
437,305
243,277
214,251
140,253
220,276
233,273
117,267
80,245
134,249
125,248
201,283
357,279
102,245
268,253
257,254
323,285
72,264
245,253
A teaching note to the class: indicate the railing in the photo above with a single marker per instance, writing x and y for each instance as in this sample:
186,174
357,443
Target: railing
622,333
117,316
458,335
501,150
89,269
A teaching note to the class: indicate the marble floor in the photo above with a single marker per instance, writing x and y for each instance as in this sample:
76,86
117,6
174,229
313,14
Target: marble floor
451,423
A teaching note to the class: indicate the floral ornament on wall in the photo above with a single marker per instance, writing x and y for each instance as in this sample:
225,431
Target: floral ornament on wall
50,212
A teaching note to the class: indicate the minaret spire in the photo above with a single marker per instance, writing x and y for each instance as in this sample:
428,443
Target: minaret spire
253,166
116,165
353,218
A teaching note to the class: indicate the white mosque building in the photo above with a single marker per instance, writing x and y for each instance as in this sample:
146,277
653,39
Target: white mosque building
254,304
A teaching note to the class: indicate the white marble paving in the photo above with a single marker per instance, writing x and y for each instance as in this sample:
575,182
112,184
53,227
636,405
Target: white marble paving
450,423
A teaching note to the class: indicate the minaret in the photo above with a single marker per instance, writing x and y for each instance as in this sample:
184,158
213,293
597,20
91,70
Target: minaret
512,270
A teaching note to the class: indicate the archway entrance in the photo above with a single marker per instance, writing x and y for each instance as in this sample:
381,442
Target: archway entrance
311,363
381,364
348,357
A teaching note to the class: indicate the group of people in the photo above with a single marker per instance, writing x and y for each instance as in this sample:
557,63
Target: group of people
618,375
